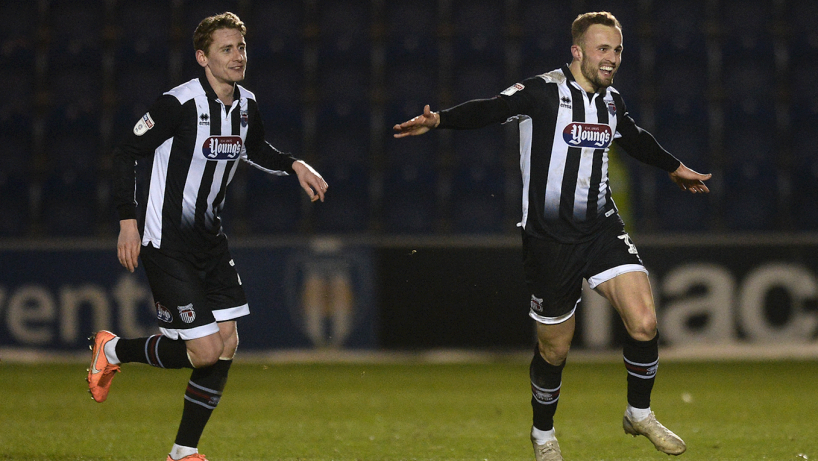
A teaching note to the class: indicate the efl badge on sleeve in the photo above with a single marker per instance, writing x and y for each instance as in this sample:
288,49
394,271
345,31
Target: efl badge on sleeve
143,125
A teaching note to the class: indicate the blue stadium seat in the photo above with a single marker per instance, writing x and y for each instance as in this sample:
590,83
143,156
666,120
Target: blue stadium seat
755,77
478,80
140,43
479,30
749,137
751,194
678,211
344,29
275,204
411,32
410,199
747,29
804,92
69,206
348,209
17,43
478,198
141,83
804,174
16,111
683,127
687,141
410,86
343,82
413,150
546,36
275,30
681,76
679,28
802,38
484,146
15,182
76,89
75,33
279,91
343,160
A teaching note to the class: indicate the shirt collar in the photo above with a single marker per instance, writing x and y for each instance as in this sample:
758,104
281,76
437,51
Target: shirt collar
211,93
567,71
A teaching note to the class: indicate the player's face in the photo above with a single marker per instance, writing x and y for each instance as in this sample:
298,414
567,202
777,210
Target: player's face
227,56
601,55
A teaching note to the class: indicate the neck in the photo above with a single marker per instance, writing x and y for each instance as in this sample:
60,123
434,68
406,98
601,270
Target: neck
224,90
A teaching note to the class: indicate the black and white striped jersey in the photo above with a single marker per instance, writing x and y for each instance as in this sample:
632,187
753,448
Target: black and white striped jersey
565,134
196,142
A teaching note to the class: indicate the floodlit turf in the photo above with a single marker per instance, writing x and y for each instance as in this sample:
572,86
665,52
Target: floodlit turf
724,411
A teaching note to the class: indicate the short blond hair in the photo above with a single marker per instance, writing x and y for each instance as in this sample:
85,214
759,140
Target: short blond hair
203,35
586,20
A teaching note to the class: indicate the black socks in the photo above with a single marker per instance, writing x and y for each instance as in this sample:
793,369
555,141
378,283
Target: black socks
546,380
641,361
156,350
204,390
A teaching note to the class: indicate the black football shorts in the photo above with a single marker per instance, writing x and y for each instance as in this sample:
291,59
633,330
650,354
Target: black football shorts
554,270
193,291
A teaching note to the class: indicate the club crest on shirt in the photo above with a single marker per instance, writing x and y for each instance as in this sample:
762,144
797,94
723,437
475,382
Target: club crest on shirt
594,135
222,147
612,108
244,118
144,124
186,313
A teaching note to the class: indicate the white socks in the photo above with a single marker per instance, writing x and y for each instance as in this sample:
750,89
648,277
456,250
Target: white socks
637,414
110,351
542,437
179,452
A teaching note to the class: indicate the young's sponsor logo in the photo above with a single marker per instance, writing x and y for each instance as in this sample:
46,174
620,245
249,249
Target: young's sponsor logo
222,147
592,135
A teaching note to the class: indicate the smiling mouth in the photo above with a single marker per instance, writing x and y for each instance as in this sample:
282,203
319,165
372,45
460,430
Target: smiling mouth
606,70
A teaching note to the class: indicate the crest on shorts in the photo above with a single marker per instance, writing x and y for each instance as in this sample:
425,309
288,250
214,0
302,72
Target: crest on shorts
187,314
536,304
162,313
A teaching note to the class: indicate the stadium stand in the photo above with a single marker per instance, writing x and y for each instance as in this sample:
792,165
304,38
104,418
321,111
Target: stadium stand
725,85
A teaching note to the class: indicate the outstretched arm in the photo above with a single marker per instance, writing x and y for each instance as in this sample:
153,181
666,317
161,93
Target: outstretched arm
688,179
418,125
312,182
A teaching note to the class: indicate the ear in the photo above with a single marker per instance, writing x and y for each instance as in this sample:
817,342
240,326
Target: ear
576,52
201,58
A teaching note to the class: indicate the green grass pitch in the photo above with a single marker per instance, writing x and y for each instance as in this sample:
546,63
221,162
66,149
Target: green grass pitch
410,411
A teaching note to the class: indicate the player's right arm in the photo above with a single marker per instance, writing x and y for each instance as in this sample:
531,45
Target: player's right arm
477,113
150,131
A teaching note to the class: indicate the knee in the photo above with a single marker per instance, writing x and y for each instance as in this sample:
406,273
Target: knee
554,353
643,330
201,357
